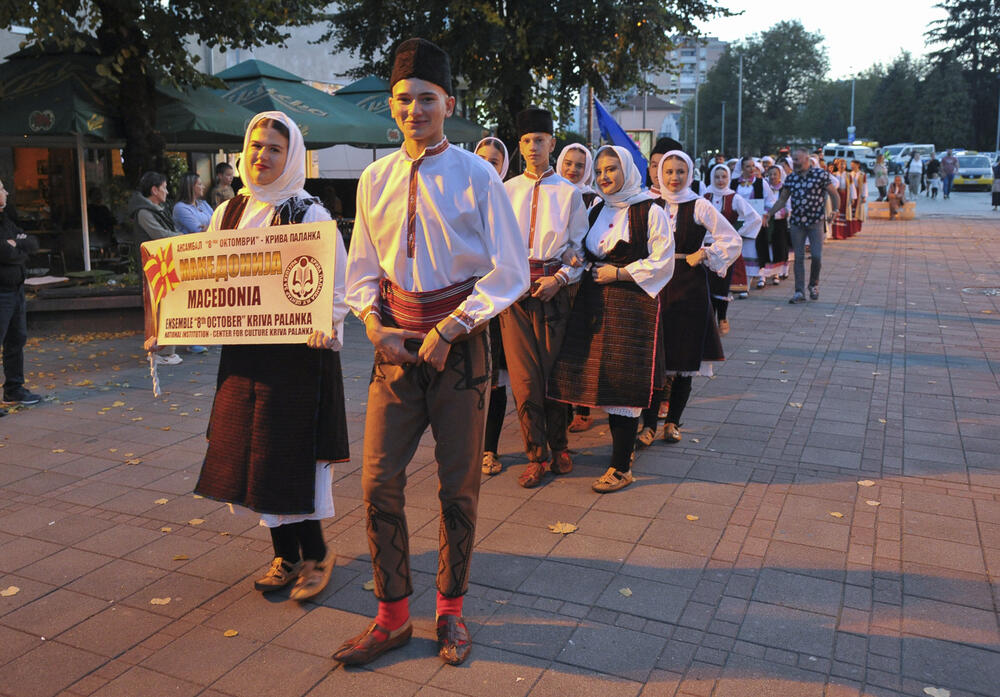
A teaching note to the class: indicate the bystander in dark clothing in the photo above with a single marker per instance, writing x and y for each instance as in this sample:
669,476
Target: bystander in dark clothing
15,248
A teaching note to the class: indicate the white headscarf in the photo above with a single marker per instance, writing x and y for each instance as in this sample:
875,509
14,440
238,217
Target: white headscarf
711,180
631,191
684,194
292,178
498,144
585,185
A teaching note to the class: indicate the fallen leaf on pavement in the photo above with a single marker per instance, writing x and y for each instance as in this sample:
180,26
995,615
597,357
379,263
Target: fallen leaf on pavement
9,591
691,517
118,403
137,418
563,528
230,633
627,592
59,450
133,461
937,692
85,383
160,502
165,529
873,503
797,405
164,428
866,482
159,601
369,585
181,557
882,421
836,514
695,440
196,521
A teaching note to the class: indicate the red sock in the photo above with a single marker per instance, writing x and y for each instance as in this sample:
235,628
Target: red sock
449,606
393,615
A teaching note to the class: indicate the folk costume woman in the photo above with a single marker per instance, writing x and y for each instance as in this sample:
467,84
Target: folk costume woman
576,164
773,241
845,187
609,356
751,186
495,152
859,180
278,420
733,208
706,245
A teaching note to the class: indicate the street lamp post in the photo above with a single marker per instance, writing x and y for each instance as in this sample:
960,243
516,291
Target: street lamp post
694,149
850,129
722,137
739,114
996,145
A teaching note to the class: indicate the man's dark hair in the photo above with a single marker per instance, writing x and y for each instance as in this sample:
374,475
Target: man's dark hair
222,167
149,181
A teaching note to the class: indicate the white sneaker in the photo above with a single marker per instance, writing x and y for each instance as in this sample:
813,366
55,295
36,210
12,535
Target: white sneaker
172,359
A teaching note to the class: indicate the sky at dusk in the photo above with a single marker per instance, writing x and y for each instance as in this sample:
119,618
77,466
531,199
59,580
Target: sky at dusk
858,33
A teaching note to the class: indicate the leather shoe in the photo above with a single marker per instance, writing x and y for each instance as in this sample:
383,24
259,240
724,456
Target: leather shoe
453,639
367,646
671,433
562,463
532,475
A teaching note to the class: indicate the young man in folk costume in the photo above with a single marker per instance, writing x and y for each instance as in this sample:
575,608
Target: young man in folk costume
553,222
435,254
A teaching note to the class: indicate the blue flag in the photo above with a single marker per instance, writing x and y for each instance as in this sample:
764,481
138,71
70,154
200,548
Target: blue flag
611,131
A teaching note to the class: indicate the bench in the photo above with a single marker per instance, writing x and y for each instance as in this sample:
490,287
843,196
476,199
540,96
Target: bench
880,209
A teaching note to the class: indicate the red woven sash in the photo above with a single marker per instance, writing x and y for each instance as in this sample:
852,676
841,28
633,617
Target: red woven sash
420,311
542,268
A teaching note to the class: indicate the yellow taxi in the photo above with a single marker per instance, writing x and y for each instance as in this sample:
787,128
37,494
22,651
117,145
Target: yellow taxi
974,171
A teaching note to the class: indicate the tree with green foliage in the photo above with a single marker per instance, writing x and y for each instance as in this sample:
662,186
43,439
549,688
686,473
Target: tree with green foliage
142,41
781,68
890,114
944,108
512,53
968,35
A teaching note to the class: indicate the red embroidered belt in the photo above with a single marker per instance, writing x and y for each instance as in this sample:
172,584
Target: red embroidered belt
543,268
419,311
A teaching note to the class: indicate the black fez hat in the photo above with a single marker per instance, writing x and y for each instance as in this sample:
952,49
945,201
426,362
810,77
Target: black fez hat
423,60
665,145
534,120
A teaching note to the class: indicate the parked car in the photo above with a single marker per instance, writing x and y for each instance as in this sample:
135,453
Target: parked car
974,171
898,160
861,153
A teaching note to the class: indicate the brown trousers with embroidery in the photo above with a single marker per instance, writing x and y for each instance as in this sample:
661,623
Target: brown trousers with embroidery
402,402
533,333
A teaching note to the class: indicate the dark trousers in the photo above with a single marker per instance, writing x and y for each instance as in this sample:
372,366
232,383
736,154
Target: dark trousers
402,402
13,336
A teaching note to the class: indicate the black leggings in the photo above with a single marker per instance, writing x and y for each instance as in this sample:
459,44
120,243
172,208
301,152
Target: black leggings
494,418
306,535
622,440
721,308
680,391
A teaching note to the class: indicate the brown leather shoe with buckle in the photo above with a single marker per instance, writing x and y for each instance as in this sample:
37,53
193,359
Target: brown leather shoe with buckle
581,422
279,575
453,639
646,437
562,463
372,643
532,475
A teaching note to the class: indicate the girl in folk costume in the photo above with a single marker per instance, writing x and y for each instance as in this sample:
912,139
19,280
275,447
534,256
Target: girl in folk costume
278,420
609,357
706,245
859,181
773,242
576,164
750,186
495,152
845,187
733,208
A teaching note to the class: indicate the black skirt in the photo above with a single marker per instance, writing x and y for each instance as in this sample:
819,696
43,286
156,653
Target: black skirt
277,410
690,334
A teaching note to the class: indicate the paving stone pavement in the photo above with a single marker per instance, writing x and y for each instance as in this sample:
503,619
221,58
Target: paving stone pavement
792,579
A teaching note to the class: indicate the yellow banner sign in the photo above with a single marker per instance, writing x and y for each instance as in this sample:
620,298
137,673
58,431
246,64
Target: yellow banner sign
271,285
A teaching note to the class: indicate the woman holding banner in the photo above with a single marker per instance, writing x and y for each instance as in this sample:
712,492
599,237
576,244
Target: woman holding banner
278,420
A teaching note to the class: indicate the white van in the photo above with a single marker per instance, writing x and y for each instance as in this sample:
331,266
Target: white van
861,153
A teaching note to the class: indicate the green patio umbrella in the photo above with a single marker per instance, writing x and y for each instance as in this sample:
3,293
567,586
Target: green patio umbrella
45,95
199,116
324,119
372,93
